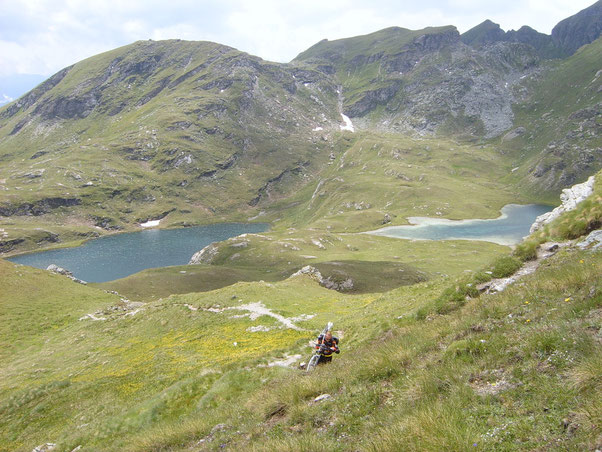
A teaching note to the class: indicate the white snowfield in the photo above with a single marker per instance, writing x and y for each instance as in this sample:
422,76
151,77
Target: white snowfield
348,124
150,223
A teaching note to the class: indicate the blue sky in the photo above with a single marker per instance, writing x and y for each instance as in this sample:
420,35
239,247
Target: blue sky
43,36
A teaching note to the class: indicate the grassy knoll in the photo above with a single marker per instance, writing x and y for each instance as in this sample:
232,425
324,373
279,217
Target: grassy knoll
375,264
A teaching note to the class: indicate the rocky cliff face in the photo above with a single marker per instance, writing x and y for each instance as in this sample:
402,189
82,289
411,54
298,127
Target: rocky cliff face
578,30
570,34
569,198
426,83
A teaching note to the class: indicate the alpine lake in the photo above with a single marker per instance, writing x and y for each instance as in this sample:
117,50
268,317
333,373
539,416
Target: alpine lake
117,256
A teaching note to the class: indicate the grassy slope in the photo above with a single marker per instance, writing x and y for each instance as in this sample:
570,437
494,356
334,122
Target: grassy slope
146,161
379,174
567,86
141,382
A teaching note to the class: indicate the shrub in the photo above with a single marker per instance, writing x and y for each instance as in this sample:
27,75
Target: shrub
527,250
505,266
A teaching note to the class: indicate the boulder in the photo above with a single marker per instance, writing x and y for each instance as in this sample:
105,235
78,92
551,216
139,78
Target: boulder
205,256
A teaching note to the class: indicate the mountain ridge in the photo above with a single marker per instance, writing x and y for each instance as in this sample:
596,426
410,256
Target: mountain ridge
201,132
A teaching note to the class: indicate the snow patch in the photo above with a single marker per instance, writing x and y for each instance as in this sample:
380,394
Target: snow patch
348,124
150,224
317,129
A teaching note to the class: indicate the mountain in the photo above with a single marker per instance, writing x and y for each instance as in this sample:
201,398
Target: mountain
156,125
14,86
489,32
425,81
567,36
580,29
198,132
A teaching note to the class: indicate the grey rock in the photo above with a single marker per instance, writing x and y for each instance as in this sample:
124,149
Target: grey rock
592,242
580,29
44,447
519,131
204,256
62,271
56,269
387,218
323,397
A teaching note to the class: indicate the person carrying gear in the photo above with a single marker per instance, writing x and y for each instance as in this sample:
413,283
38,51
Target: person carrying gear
327,344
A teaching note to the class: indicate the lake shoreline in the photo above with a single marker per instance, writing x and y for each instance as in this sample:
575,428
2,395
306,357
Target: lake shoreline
418,224
77,243
124,253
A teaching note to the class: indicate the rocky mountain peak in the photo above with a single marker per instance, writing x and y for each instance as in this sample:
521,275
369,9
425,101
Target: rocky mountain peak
582,28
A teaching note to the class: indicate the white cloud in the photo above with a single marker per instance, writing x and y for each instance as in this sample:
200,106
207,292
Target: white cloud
42,36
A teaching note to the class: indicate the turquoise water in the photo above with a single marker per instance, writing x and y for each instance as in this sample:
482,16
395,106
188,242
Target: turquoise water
508,229
120,255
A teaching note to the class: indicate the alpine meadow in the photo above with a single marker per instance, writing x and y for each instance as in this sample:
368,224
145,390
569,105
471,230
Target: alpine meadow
456,344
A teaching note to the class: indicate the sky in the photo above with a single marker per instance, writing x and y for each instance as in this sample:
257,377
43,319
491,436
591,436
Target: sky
43,36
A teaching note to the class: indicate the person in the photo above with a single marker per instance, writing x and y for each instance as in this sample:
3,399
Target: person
327,344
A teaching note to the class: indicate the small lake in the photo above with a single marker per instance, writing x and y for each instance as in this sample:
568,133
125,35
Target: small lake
120,255
508,229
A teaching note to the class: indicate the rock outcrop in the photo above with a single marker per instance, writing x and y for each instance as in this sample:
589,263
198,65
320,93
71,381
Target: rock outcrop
205,256
61,271
570,198
329,283
592,242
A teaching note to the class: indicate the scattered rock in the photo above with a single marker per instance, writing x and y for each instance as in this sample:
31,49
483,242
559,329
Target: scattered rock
287,361
318,244
491,382
33,174
498,285
44,447
329,283
323,397
61,271
387,218
218,428
519,131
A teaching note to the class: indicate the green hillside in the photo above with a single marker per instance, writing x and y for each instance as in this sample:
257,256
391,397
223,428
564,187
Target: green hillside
510,371
439,349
